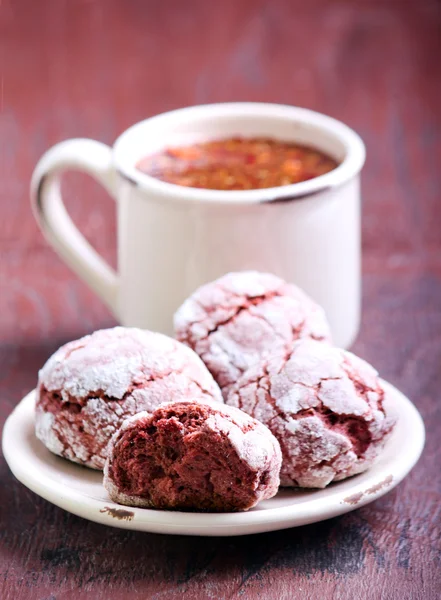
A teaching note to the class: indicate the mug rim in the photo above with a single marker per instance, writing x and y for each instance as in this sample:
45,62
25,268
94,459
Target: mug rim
346,170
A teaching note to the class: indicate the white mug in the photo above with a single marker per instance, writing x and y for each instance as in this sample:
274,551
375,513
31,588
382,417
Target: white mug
172,239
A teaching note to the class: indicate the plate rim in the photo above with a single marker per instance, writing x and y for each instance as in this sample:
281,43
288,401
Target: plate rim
214,524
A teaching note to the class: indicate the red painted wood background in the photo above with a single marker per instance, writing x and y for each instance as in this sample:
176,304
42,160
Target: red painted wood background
93,67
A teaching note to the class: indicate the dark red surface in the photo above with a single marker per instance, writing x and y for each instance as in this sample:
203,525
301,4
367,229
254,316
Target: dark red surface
91,68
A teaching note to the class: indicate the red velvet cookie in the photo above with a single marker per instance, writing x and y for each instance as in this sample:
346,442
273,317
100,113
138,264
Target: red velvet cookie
89,386
195,456
234,321
327,407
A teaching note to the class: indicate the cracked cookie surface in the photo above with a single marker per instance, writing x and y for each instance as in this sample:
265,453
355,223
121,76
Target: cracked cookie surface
193,456
89,386
234,321
326,406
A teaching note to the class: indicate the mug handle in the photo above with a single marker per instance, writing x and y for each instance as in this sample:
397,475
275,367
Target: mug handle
95,159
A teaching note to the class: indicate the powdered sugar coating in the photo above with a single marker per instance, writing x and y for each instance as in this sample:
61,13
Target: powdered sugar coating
251,442
89,386
234,321
326,406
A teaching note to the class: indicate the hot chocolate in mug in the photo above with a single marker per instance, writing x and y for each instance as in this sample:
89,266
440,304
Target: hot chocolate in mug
172,239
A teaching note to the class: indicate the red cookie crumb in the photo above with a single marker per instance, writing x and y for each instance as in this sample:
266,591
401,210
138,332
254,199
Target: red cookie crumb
326,407
89,386
193,456
234,321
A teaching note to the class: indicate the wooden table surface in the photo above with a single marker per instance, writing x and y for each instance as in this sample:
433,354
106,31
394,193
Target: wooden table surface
93,67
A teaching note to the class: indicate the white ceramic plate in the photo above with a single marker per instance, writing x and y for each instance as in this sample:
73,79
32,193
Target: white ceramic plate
79,490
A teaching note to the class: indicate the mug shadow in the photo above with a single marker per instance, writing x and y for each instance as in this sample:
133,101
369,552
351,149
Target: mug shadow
21,360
